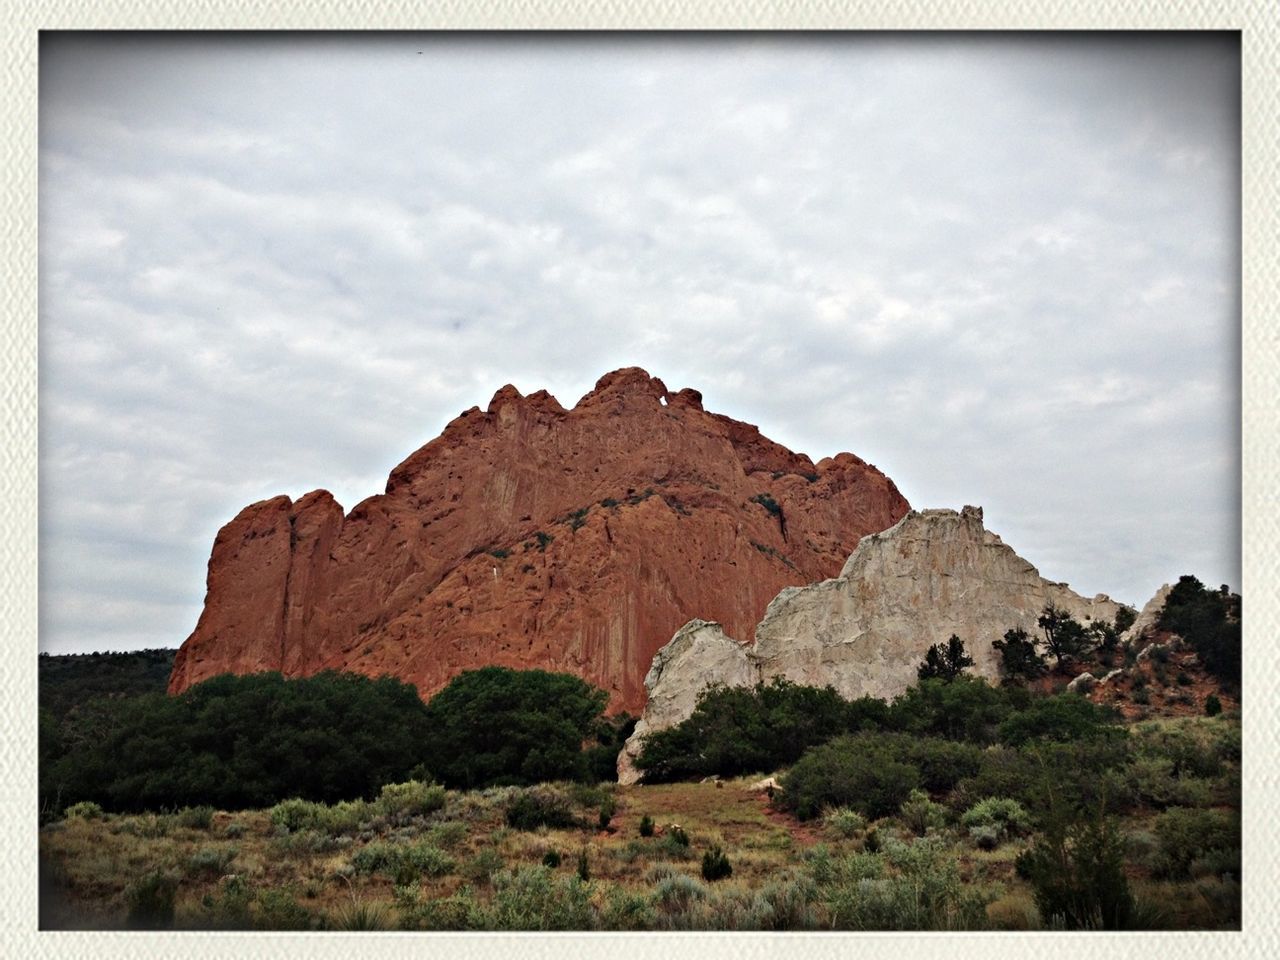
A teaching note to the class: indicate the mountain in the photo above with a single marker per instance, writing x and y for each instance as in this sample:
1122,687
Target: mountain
528,535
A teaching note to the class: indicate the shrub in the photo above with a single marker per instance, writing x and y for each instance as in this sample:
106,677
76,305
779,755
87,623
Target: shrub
84,810
607,809
738,730
964,708
211,861
924,893
996,819
584,868
850,771
539,806
150,901
411,798
844,822
646,826
497,725
715,865
279,910
1076,869
483,866
625,910
195,818
985,837
532,898
919,813
404,863
448,834
238,742
1212,705
551,859
675,833
1186,836
234,830
297,814
1063,718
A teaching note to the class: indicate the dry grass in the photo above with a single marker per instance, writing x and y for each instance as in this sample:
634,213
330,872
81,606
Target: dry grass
95,861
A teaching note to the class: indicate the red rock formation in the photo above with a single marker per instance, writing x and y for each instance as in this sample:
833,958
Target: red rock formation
528,535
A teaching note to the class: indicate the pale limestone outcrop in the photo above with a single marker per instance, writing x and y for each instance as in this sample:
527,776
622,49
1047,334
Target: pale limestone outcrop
1083,683
699,655
932,574
1146,620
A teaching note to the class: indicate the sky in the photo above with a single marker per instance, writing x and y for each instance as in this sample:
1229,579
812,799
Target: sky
1002,268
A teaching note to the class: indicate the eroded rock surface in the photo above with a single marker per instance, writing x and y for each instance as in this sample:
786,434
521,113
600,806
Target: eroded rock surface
934,573
528,535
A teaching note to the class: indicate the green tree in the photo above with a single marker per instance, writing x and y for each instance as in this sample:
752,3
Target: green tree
1019,658
944,663
1210,622
1064,637
501,726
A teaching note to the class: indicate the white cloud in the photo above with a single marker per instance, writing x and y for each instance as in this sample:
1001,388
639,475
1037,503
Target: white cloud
1002,270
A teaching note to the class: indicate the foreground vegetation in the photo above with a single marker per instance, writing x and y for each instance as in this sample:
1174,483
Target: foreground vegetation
340,802
509,858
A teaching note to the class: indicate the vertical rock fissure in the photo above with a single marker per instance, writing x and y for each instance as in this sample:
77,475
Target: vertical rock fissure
288,575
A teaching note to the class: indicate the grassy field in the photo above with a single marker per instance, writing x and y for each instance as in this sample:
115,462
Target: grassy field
409,864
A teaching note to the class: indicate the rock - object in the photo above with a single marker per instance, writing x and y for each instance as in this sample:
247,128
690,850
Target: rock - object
1083,683
933,574
528,535
1146,620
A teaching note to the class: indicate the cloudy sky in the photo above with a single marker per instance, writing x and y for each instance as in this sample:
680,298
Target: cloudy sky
1003,269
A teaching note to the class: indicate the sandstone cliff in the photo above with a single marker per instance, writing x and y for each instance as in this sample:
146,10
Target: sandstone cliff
528,535
934,573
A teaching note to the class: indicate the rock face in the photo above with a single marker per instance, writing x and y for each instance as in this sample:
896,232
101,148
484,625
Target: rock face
1145,622
528,535
934,573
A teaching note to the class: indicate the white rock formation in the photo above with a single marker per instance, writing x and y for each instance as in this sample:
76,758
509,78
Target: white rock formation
932,574
1146,620
1083,683
699,655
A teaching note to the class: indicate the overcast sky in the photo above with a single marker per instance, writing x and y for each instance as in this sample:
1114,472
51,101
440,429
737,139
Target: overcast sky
1002,269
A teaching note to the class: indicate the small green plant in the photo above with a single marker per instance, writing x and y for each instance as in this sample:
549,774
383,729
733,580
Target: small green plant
607,810
995,819
412,798
646,826
844,821
609,502
499,553
234,830
539,806
715,865
84,810
210,861
577,518
584,868
677,835
195,818
543,539
551,859
150,901
1212,705
920,814
770,504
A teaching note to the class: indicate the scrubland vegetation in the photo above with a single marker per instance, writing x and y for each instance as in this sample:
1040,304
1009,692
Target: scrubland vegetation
346,803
